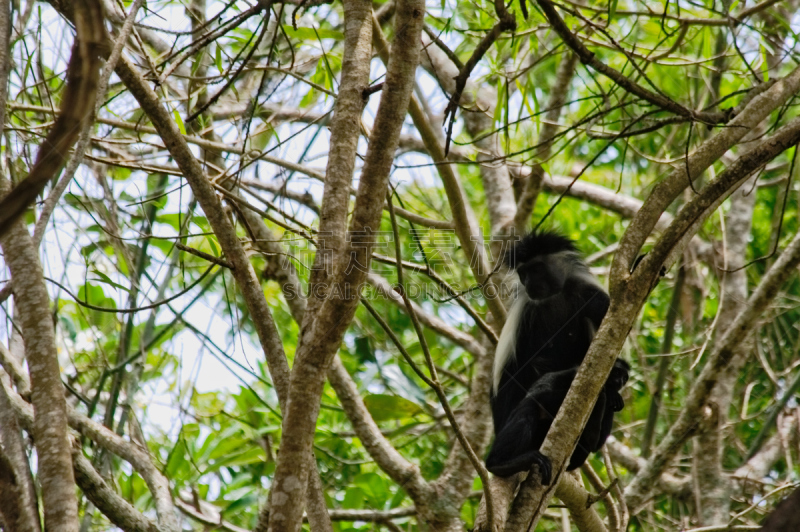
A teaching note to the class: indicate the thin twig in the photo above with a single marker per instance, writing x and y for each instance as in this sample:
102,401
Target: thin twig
477,463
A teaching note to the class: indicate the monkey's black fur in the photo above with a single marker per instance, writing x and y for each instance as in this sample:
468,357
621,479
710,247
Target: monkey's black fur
545,338
516,446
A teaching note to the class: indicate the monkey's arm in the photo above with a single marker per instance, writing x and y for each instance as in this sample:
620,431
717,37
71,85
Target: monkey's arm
616,380
601,421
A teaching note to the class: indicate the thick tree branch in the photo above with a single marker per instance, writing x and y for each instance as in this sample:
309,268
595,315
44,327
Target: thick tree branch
223,229
713,486
345,128
740,329
47,393
466,225
119,511
323,333
572,493
21,494
83,73
665,192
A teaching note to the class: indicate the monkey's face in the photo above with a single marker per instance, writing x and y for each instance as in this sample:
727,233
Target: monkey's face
542,277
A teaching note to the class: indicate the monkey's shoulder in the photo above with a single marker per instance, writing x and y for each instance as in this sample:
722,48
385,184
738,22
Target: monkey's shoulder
568,305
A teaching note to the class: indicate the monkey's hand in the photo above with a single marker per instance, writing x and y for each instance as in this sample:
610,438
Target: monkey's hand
615,401
545,467
618,377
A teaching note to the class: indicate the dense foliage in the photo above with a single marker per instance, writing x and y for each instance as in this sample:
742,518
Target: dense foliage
155,339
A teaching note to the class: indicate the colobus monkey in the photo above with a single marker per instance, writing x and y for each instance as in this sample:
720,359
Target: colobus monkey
544,340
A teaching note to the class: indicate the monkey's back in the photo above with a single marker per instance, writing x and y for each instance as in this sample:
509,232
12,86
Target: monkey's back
557,332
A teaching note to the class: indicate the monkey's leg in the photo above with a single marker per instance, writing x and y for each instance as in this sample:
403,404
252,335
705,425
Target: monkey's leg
516,447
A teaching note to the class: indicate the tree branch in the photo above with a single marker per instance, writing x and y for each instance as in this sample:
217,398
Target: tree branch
589,59
665,192
466,225
324,329
83,73
748,318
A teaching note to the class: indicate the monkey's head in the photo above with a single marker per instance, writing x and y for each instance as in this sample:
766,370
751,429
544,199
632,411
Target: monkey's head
544,261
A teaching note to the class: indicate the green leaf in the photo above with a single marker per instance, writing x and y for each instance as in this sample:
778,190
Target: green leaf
94,295
374,487
397,499
177,465
253,455
105,279
179,121
310,34
242,503
218,59
383,407
364,350
353,499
